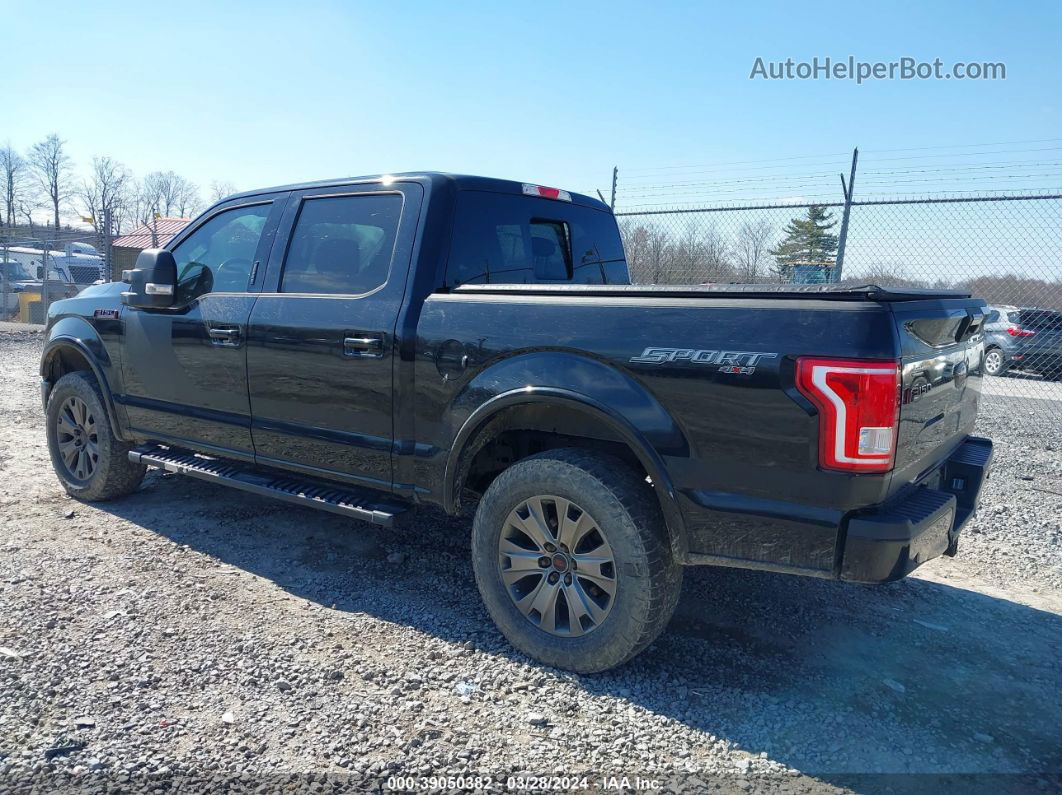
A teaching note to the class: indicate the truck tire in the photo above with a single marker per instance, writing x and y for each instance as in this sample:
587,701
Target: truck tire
89,461
572,560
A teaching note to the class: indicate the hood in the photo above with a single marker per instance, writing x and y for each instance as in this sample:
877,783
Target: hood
101,290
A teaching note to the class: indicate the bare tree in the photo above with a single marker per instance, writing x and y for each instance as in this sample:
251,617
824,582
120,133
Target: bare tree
25,208
635,247
661,255
750,250
166,193
126,212
188,199
104,193
1015,289
220,189
715,257
52,168
687,258
138,207
700,255
156,193
14,171
885,276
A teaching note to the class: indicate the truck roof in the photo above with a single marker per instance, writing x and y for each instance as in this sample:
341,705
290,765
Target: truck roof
462,181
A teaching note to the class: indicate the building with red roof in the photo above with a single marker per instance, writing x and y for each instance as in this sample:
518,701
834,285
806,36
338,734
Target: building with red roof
154,234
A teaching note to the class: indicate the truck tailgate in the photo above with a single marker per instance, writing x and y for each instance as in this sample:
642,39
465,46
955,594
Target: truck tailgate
941,350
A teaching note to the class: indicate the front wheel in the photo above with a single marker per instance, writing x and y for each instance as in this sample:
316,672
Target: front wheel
995,364
572,559
90,462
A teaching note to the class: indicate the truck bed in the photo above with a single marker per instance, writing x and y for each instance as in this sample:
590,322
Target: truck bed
836,292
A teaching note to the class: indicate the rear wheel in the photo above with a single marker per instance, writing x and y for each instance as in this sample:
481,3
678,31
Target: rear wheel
572,559
995,363
91,463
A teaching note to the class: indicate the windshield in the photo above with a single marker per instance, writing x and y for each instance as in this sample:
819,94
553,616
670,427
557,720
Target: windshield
16,271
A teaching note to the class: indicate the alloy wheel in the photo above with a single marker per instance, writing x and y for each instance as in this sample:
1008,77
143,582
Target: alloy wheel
76,434
557,566
993,362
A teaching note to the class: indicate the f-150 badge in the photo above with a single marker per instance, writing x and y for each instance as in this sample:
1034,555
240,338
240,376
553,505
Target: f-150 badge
735,362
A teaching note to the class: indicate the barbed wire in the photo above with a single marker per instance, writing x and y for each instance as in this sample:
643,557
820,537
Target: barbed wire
687,167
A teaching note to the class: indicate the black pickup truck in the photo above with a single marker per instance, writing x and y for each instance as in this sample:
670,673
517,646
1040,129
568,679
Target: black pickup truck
365,345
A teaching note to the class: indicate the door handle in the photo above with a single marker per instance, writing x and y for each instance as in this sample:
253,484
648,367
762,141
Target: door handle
228,336
366,347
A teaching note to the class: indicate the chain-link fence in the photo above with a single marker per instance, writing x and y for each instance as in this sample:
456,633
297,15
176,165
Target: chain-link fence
40,265
1006,249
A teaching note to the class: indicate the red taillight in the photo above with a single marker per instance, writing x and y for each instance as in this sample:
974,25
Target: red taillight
1018,331
859,410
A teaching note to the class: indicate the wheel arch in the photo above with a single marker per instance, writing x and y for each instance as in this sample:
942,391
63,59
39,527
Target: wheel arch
1004,357
65,354
544,409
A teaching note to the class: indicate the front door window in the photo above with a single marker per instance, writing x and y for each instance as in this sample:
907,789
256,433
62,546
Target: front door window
217,257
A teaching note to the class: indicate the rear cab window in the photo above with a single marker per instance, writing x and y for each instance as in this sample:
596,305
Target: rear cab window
501,238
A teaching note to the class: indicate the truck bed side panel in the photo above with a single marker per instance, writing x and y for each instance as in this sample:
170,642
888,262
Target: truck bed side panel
746,464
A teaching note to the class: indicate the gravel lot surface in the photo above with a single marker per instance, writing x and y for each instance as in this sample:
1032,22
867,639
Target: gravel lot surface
192,630
1023,385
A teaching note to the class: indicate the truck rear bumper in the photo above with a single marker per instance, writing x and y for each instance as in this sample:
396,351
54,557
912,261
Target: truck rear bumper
922,523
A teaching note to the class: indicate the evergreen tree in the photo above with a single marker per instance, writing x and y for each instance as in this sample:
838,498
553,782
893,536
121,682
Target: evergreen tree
807,241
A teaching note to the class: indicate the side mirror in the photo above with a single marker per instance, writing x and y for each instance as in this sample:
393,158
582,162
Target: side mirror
153,282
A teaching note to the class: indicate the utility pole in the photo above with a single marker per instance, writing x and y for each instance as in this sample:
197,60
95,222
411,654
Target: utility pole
843,236
615,176
45,297
5,290
106,263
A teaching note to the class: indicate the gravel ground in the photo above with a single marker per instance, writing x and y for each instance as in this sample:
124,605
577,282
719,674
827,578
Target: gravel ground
194,631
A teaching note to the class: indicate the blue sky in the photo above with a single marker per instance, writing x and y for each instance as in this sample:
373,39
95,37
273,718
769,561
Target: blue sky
261,93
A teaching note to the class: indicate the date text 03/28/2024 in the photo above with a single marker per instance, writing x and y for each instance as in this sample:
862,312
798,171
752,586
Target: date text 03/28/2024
524,783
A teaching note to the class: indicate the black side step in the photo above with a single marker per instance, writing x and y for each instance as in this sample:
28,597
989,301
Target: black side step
320,494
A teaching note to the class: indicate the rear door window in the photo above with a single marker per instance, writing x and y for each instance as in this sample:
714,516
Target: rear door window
507,239
342,245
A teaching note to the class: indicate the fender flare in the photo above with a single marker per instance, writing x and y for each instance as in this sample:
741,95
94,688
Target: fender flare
53,347
648,457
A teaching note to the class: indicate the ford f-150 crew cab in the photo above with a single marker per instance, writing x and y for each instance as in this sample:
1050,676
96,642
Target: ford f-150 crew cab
366,345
